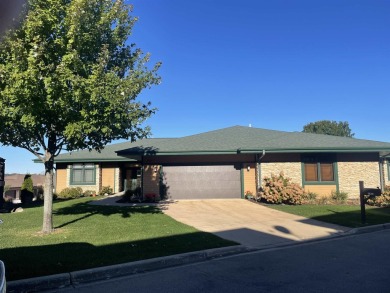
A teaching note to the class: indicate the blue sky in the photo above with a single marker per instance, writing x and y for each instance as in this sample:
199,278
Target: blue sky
272,64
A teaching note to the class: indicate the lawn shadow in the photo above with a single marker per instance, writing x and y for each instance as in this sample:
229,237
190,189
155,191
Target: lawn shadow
352,219
87,210
33,261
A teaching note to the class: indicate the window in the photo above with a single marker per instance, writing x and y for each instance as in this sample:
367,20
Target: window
83,174
318,170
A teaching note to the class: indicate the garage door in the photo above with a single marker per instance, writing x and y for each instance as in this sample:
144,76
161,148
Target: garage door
202,182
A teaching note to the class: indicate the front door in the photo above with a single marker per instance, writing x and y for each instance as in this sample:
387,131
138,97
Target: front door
132,178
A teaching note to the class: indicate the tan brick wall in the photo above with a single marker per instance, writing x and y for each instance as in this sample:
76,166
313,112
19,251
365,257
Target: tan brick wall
292,170
109,176
249,178
350,173
151,179
322,190
61,178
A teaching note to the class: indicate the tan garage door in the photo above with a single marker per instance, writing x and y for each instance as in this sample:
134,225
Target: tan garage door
202,182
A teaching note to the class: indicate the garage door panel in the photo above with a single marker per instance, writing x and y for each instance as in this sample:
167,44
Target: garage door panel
200,182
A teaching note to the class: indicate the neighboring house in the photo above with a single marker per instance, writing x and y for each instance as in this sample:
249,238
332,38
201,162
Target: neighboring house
14,183
228,162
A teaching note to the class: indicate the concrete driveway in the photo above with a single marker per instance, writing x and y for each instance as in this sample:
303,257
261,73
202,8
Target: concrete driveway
248,223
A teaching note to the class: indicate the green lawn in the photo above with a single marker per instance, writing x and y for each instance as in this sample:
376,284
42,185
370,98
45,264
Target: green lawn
89,236
345,215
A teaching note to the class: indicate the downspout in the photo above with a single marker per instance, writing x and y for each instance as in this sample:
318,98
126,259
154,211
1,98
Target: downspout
258,160
381,177
381,172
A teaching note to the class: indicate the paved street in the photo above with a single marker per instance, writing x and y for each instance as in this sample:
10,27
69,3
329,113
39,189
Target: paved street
359,263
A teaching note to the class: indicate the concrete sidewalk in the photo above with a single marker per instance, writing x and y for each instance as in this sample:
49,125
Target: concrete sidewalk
248,223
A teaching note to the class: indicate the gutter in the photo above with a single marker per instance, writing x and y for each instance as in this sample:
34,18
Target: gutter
254,151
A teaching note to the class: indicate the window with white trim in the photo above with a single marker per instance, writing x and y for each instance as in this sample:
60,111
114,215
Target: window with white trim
83,174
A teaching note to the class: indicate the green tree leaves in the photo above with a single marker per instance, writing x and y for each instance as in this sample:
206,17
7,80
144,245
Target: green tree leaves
329,127
69,78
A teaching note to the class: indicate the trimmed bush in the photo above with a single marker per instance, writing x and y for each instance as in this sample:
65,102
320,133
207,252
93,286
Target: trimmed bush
382,200
309,197
88,193
278,189
105,190
71,192
339,196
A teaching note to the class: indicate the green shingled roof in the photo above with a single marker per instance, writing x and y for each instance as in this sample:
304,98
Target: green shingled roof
236,139
108,154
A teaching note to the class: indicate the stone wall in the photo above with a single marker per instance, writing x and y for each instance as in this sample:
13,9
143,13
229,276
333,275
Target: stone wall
350,173
292,170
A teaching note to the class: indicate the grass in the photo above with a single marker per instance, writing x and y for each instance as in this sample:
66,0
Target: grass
345,215
88,236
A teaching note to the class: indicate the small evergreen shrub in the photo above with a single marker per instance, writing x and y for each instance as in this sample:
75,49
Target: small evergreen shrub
28,183
278,189
339,196
70,193
106,190
27,190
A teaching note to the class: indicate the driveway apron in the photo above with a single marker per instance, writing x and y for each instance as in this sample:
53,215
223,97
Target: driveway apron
248,223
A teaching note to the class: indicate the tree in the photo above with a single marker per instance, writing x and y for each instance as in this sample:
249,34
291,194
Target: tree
329,127
27,189
69,80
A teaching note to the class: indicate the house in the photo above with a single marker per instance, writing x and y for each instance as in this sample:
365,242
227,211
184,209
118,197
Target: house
14,182
226,163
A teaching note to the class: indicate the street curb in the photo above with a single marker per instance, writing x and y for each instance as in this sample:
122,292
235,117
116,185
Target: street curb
368,229
108,272
64,280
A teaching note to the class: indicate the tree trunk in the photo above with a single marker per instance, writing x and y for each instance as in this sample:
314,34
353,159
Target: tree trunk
48,197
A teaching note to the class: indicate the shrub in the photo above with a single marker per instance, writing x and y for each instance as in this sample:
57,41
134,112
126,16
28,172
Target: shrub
27,190
88,193
131,196
71,192
382,200
280,189
309,197
248,194
339,196
28,183
105,190
150,197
